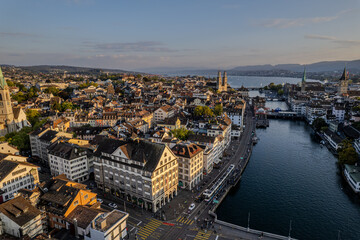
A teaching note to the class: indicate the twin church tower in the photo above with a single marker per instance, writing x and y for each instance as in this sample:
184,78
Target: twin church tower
221,84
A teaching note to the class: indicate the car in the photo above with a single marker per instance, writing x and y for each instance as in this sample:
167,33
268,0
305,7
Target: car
192,206
113,205
100,200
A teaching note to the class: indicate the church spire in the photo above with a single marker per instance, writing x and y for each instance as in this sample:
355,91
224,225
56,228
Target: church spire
2,80
304,76
344,75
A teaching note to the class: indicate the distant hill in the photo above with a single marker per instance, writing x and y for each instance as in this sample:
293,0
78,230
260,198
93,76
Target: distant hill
69,69
329,66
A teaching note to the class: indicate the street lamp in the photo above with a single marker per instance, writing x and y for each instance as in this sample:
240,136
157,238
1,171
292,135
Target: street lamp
290,230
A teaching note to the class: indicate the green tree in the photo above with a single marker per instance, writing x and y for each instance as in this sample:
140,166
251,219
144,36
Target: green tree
56,107
318,124
280,92
218,110
203,111
32,116
356,108
10,83
66,105
347,153
181,133
52,90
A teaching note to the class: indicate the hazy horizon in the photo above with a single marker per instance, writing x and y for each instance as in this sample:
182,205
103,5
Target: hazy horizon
201,34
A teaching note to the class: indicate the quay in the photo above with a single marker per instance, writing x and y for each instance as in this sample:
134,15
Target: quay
232,231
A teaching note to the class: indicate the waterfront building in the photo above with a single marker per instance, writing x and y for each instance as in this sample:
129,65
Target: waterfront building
333,126
15,176
69,159
221,83
20,219
236,113
314,111
243,92
109,226
333,139
212,149
190,160
142,172
339,113
357,145
352,175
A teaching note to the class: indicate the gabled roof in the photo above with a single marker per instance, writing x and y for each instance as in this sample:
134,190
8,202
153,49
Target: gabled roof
84,215
19,210
186,150
145,152
6,167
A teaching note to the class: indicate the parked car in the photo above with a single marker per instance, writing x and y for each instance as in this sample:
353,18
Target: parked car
113,205
192,206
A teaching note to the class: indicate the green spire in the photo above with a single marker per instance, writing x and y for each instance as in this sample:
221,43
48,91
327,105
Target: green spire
304,76
2,80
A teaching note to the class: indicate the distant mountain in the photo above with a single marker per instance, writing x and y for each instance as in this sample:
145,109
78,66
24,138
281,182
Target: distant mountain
69,69
329,66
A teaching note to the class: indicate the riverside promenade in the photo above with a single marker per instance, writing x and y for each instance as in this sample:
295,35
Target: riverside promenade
202,222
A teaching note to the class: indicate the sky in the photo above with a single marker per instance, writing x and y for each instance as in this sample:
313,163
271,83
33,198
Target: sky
203,34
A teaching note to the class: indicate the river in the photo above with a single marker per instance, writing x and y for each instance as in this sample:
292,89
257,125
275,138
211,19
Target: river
290,177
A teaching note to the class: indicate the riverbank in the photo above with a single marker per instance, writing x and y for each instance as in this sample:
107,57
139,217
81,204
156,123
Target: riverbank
290,177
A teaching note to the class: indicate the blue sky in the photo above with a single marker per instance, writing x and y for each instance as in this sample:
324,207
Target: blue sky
142,34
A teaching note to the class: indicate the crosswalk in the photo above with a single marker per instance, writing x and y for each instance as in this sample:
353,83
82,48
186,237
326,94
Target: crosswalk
184,220
148,229
201,235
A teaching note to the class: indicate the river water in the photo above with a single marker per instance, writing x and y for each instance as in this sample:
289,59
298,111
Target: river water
290,177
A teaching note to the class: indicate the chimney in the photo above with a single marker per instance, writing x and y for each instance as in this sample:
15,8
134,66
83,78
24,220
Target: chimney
76,228
103,223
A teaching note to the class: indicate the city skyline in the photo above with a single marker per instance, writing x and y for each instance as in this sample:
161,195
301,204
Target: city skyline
201,34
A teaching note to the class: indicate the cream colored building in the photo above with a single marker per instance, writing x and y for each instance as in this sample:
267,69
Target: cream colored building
163,112
109,226
142,172
190,160
6,148
15,176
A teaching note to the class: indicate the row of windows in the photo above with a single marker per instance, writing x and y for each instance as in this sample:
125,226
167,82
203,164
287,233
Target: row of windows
16,179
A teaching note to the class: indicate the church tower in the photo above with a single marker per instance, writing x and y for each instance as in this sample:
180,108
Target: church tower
303,82
219,82
343,83
224,84
6,112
